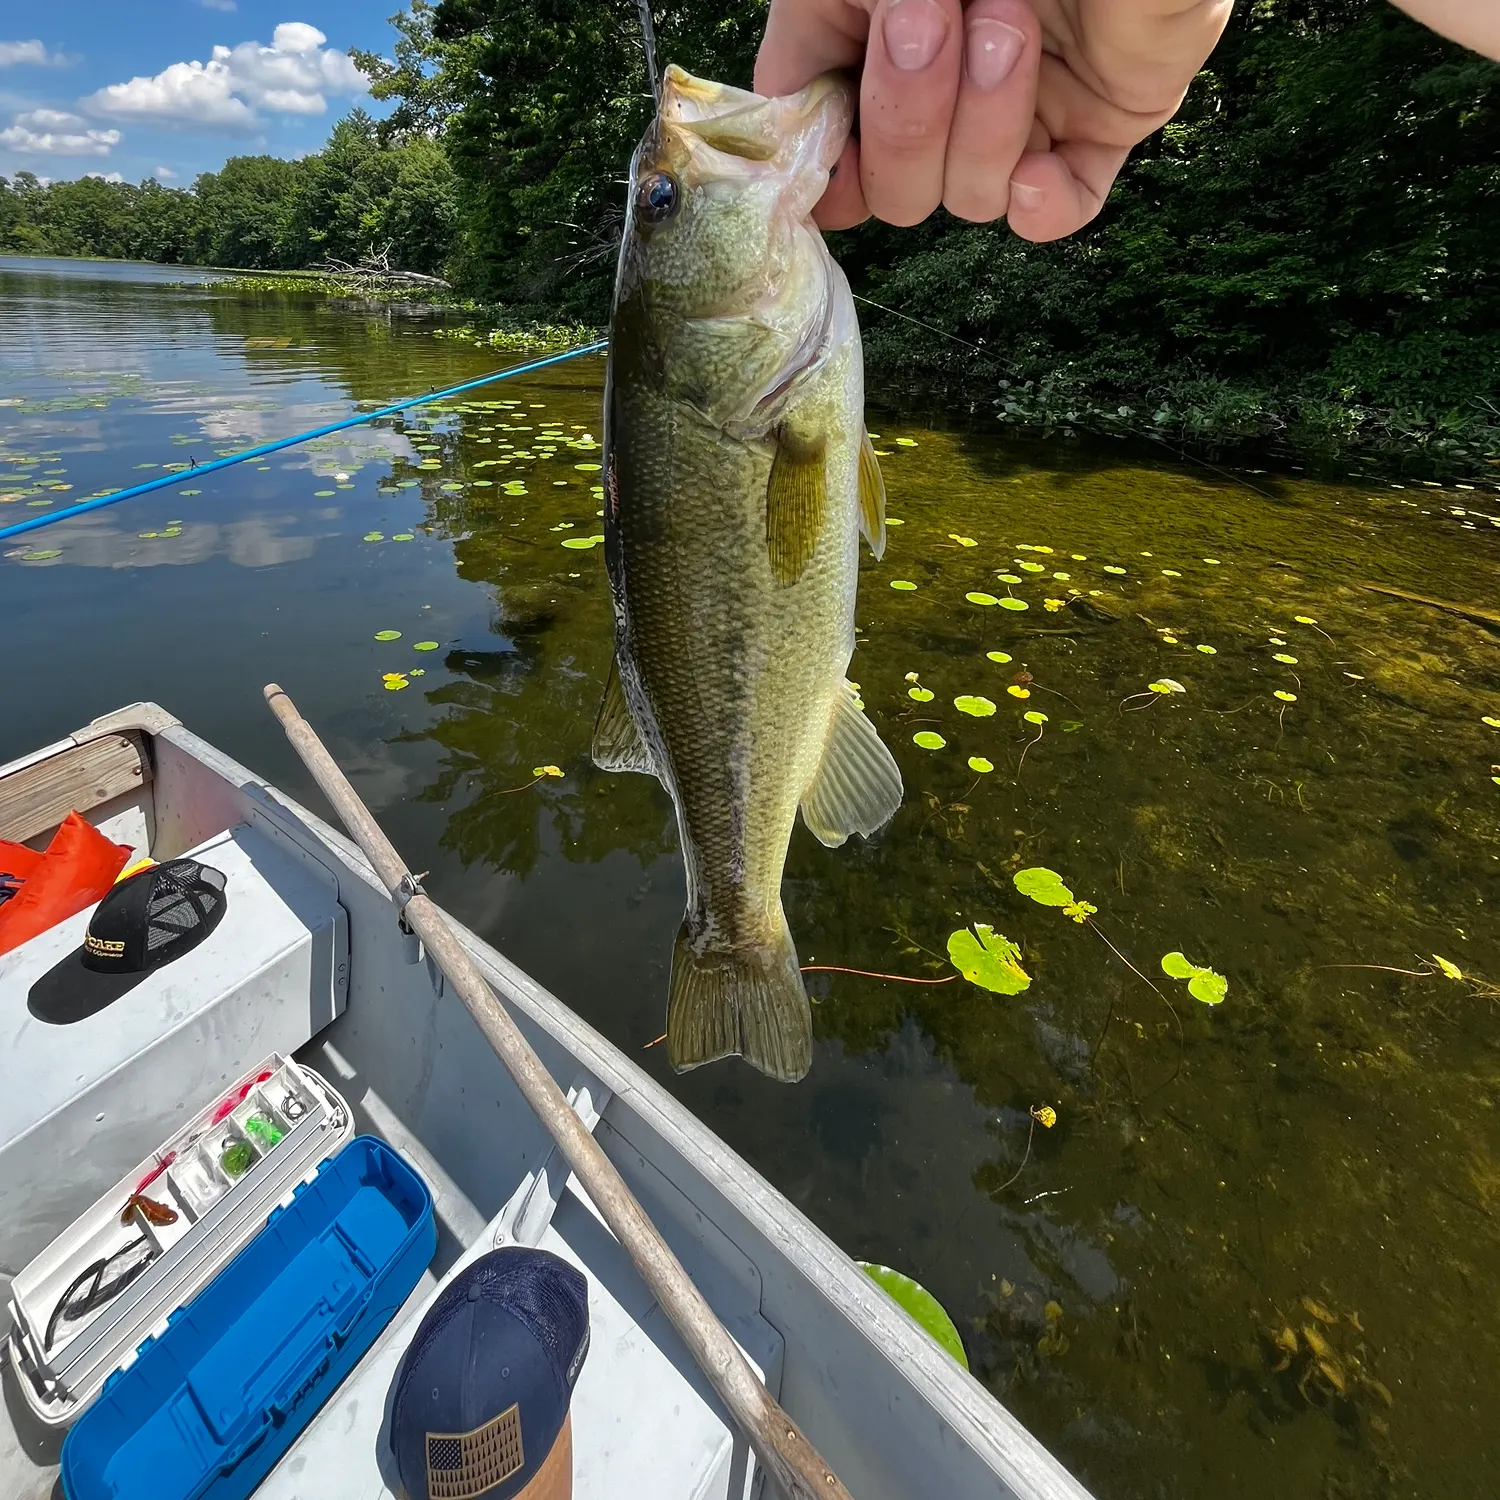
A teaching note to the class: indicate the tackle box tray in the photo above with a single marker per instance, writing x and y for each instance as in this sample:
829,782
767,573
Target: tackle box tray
149,1245
209,1406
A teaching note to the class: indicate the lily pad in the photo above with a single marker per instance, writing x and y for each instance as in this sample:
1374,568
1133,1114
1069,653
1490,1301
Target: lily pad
1491,720
1203,983
404,536
582,543
1034,716
988,959
424,646
963,541
588,468
982,599
1304,619
41,556
373,536
1450,969
902,585
928,739
1004,656
1166,685
1017,691
980,764
1010,578
920,1305
1044,886
1207,650
1013,604
1109,568
317,494
974,705
387,635
1281,656
540,771
920,694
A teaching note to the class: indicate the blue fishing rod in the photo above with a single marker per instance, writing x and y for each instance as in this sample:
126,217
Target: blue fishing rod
35,523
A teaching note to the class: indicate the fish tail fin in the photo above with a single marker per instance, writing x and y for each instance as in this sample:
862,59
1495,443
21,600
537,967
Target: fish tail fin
747,1001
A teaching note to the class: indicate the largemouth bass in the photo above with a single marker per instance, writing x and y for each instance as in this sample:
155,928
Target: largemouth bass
738,476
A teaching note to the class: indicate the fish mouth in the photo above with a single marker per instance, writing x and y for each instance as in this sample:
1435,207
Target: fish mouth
756,127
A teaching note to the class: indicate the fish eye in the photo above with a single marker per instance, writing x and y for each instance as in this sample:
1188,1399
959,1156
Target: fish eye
657,198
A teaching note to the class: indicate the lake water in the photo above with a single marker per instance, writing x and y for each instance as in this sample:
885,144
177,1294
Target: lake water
1316,1159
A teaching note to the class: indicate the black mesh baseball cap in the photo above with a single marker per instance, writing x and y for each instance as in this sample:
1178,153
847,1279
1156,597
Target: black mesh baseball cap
144,922
481,1406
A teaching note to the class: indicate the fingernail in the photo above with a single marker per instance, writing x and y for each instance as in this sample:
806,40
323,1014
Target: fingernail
991,50
1025,197
914,32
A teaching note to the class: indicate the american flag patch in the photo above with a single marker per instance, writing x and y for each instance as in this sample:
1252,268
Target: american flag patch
461,1465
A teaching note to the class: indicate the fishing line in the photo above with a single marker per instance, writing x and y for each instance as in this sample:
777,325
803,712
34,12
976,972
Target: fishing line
177,477
648,36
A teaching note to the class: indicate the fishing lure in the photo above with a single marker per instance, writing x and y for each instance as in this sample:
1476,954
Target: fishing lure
152,1211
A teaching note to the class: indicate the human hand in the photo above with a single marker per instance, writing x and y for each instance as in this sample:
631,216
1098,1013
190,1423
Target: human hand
995,109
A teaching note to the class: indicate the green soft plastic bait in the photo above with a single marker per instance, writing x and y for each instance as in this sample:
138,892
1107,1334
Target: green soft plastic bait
236,1158
265,1131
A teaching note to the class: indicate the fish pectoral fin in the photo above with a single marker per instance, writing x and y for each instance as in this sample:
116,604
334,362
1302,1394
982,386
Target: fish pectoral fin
796,500
618,745
746,1002
871,498
857,788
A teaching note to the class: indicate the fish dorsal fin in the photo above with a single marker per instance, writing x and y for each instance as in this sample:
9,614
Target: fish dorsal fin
796,500
857,788
618,745
871,498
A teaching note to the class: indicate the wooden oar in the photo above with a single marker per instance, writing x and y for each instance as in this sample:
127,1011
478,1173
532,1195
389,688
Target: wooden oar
784,1453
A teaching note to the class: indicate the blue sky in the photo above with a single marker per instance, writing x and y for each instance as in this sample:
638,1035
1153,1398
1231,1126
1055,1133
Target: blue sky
169,88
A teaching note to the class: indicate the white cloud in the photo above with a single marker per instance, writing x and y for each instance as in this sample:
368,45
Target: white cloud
106,176
14,54
166,174
56,133
225,5
291,77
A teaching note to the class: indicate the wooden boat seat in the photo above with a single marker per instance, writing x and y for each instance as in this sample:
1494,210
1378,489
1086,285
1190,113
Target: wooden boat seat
82,778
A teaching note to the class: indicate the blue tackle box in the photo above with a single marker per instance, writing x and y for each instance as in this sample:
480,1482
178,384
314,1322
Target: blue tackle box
209,1407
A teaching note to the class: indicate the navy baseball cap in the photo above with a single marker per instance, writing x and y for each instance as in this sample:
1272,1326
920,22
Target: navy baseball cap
482,1395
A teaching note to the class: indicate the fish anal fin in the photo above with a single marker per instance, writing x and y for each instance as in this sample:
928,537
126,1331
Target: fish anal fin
857,788
618,745
796,501
746,1002
871,498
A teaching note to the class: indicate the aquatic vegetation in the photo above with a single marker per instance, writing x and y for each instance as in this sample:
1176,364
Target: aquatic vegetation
1284,659
1012,603
387,635
988,958
373,536
1207,650
1284,696
902,585
975,706
979,765
1034,716
920,1305
1203,983
583,543
928,739
985,600
540,771
425,646
1004,656
963,541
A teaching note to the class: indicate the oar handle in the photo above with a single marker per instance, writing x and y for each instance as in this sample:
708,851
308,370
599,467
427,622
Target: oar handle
784,1452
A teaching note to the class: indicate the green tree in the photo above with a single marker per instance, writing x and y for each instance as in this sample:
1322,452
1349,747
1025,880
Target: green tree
245,213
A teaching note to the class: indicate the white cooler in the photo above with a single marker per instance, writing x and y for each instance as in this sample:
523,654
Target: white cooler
80,1104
